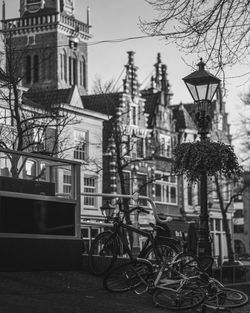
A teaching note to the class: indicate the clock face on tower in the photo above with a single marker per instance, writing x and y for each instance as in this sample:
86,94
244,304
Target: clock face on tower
34,5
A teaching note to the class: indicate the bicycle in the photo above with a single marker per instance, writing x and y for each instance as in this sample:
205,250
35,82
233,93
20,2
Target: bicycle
111,244
169,287
177,285
218,296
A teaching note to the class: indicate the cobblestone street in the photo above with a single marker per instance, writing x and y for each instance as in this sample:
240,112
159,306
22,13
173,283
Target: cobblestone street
71,292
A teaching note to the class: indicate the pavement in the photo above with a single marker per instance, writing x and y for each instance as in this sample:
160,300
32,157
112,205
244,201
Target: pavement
74,292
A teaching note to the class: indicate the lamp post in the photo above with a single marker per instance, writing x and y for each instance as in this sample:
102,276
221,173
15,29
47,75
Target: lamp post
202,86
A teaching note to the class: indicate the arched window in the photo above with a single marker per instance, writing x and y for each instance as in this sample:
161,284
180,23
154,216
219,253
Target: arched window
83,72
50,65
75,70
36,68
28,69
72,70
65,65
61,66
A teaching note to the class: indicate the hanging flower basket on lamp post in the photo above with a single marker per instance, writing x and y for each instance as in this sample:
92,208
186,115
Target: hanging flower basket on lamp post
215,158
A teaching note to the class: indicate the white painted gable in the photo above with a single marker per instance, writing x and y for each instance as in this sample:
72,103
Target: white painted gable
76,100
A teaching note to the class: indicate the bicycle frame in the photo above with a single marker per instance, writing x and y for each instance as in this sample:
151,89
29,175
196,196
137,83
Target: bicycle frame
119,224
165,283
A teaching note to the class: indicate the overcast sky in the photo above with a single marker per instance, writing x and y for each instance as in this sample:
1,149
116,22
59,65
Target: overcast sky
118,19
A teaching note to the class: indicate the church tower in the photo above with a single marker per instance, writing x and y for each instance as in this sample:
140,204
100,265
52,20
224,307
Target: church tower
52,42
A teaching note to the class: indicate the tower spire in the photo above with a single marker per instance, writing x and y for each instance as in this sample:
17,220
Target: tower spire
130,83
3,11
88,16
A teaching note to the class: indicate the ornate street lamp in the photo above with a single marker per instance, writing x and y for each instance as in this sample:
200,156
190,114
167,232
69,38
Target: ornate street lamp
202,86
108,210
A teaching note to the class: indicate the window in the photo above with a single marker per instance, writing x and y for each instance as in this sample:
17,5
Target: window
65,65
28,69
38,138
190,194
127,182
30,169
67,183
134,115
88,235
31,40
239,229
39,134
80,151
36,69
75,71
225,191
90,187
83,72
61,66
238,213
72,71
125,145
217,224
50,66
166,188
142,186
43,174
211,222
140,148
5,117
165,146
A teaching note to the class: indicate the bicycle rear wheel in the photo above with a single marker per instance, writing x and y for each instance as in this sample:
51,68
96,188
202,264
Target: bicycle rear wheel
128,276
102,253
166,249
226,298
174,297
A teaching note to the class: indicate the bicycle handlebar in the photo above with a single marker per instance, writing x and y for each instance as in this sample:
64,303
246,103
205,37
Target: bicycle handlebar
121,196
136,208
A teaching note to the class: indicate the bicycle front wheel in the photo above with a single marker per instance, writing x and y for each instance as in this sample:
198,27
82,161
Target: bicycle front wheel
102,253
128,276
174,297
186,264
226,298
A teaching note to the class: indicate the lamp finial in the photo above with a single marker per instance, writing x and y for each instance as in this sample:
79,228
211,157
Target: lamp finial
201,65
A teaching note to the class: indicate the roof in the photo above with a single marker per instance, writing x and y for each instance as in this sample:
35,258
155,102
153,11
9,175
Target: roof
102,103
47,98
152,100
183,118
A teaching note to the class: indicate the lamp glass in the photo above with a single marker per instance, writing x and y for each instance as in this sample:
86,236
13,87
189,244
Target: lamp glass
107,210
211,91
193,91
202,92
